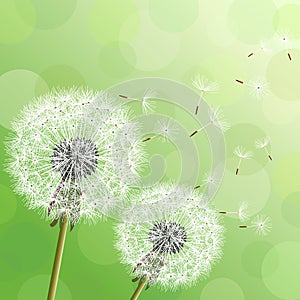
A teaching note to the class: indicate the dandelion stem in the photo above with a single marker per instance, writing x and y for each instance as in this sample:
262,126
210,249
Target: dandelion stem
139,289
58,257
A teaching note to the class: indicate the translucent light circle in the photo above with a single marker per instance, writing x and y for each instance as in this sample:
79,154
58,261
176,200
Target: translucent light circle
108,16
250,22
17,88
287,18
8,204
96,243
253,256
283,75
286,174
49,13
154,49
281,269
25,247
279,111
168,15
13,28
290,208
62,76
230,290
36,288
112,59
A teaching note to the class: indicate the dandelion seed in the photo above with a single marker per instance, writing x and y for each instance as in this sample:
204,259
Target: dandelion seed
262,225
166,129
262,144
216,119
241,212
145,100
257,87
241,153
285,39
175,250
204,86
262,48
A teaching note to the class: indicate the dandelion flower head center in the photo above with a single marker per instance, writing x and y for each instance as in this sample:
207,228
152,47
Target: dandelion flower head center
167,238
75,158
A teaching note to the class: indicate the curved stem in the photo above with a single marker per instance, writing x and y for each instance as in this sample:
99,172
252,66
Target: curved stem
58,257
139,288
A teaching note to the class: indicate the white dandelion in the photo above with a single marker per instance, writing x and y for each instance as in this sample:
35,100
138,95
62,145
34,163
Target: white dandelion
175,250
146,100
166,129
61,158
216,119
241,213
204,86
241,153
263,144
262,225
258,87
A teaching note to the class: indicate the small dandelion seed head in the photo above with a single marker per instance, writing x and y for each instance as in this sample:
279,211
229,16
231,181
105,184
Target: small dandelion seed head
262,143
216,117
204,85
243,211
262,224
259,88
166,128
242,153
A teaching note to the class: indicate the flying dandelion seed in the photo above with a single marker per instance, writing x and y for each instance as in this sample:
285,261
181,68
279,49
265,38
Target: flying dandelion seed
258,88
173,251
241,213
204,86
216,119
166,129
285,39
145,100
61,158
262,225
241,153
262,48
263,144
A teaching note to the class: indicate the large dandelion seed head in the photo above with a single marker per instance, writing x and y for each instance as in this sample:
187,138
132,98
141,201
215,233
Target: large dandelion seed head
175,250
66,145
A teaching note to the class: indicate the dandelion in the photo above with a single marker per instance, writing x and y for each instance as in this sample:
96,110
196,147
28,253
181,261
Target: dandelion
175,250
241,153
262,225
61,158
166,129
216,119
145,100
204,86
241,213
262,144
262,48
258,88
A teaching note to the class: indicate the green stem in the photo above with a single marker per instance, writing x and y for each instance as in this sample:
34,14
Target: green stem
139,288
58,257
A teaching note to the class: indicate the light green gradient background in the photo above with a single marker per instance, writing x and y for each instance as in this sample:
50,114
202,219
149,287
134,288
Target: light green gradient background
100,43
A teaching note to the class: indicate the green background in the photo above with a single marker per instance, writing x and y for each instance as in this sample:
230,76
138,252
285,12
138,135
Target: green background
100,43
